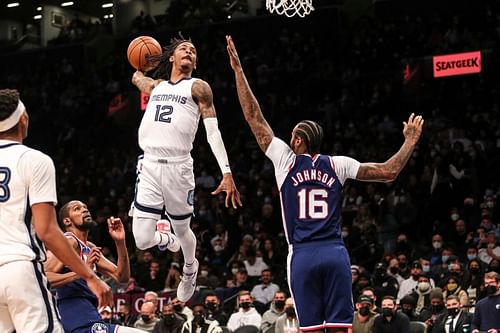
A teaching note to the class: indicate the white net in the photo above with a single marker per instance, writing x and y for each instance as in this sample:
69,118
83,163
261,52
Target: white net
290,7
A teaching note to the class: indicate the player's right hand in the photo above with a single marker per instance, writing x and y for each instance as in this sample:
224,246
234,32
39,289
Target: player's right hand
93,257
101,290
233,55
138,75
413,128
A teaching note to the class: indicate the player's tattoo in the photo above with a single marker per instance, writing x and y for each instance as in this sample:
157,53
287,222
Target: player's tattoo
203,96
253,114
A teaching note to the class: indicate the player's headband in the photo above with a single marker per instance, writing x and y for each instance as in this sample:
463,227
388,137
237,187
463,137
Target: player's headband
13,119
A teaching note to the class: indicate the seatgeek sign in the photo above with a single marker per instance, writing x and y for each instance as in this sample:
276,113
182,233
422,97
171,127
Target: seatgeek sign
457,64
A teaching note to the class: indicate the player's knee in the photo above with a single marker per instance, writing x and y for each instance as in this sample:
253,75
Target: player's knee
142,243
144,232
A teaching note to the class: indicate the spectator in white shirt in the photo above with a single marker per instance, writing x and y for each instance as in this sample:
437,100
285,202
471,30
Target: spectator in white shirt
246,315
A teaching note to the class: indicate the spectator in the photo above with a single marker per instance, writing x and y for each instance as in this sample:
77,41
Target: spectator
391,320
453,288
264,292
410,283
181,309
214,309
422,293
148,318
487,313
364,317
287,322
383,283
437,308
107,315
199,323
454,319
170,322
126,318
155,279
254,264
370,292
276,309
247,315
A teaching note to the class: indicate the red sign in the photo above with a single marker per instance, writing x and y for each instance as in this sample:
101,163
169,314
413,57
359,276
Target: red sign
144,101
457,64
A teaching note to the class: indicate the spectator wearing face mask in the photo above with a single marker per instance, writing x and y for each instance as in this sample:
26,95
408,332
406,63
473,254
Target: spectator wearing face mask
287,322
148,318
487,313
409,285
170,323
437,244
490,250
454,319
246,315
364,316
473,280
276,309
422,293
213,308
181,309
453,287
391,320
199,323
407,305
126,318
393,270
437,308
383,283
106,314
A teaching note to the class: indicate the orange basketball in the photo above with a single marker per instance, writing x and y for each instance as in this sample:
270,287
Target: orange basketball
139,51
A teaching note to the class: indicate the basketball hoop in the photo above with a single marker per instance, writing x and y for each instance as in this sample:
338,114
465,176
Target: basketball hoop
290,7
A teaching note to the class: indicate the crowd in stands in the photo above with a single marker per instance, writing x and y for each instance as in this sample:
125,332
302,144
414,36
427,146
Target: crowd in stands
433,233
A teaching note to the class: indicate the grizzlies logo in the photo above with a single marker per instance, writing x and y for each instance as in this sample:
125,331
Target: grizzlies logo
190,198
99,328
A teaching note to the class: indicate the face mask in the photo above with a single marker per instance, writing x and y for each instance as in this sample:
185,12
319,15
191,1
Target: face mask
491,290
364,311
437,245
394,270
245,305
444,258
452,286
145,318
198,318
387,312
453,312
491,245
234,270
402,265
169,319
474,270
212,306
121,316
279,304
454,217
436,308
471,256
424,286
178,308
290,312
408,312
204,273
344,234
490,204
426,268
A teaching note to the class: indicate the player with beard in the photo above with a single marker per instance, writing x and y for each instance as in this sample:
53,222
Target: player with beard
76,304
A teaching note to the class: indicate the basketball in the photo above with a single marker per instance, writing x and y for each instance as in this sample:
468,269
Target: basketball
140,50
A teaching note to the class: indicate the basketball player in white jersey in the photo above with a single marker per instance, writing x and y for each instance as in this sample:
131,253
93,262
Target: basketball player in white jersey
28,218
165,182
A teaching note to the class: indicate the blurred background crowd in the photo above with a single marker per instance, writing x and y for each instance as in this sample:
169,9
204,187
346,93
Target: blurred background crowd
433,232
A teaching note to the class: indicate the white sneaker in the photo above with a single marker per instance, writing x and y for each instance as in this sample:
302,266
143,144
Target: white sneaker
186,287
163,227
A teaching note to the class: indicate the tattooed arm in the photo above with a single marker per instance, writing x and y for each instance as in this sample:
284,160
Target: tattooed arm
389,170
144,83
251,109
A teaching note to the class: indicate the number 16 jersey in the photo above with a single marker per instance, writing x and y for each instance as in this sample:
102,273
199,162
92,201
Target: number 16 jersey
310,189
170,122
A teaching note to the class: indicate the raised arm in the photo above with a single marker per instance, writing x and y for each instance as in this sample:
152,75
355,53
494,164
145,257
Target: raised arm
144,83
202,95
390,169
251,109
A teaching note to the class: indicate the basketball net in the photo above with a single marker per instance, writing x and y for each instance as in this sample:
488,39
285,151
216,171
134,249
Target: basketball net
290,7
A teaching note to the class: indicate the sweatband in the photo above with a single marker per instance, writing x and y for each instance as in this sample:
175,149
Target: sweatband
13,119
214,138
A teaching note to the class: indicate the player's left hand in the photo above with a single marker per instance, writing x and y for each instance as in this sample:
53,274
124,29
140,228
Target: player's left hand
227,185
233,54
115,228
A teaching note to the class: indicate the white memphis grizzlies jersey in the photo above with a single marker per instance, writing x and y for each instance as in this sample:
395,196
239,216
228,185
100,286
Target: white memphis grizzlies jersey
170,122
27,177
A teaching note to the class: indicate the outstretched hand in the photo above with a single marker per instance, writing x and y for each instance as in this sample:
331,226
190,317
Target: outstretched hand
115,229
227,185
413,128
233,54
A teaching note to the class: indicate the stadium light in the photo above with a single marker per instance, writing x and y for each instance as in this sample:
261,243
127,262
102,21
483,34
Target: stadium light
37,17
39,8
107,5
12,4
68,3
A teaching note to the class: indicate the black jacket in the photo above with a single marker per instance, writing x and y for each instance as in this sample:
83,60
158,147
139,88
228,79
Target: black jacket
463,323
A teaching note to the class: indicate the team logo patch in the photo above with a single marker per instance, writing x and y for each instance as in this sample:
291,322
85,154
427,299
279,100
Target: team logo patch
99,328
190,198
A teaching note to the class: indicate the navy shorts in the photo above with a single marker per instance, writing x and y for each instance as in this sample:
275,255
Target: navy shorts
99,327
319,274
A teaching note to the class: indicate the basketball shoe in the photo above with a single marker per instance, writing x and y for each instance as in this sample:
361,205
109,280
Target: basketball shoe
188,283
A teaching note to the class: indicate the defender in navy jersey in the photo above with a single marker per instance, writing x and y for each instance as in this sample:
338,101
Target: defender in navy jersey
165,180
28,218
310,185
77,305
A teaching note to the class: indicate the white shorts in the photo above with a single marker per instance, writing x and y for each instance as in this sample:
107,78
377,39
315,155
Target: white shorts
26,304
164,185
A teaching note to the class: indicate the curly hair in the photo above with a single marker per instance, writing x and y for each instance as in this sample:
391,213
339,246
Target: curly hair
164,67
312,134
9,98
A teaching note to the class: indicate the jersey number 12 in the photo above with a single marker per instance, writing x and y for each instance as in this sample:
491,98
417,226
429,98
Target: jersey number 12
313,203
163,112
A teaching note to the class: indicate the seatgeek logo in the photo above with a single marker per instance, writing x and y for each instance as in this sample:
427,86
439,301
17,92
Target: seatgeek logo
457,64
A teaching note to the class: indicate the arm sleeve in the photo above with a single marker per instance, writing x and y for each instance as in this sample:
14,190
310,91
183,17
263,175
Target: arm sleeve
214,138
38,171
345,167
282,157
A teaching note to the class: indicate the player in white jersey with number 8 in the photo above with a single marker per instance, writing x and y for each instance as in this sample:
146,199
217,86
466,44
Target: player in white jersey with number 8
165,181
27,217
